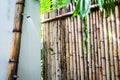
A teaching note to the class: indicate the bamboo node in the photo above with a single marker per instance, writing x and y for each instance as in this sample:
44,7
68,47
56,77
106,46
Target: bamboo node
15,30
13,61
20,3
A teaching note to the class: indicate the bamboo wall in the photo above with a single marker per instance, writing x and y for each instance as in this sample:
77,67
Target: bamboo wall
69,53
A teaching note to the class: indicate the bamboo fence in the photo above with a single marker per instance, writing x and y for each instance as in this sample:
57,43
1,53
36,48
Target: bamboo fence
74,50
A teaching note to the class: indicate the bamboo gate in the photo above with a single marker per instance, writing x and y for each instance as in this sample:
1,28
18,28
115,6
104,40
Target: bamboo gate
71,54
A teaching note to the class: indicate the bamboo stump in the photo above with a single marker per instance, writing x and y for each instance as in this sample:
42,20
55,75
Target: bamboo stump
15,46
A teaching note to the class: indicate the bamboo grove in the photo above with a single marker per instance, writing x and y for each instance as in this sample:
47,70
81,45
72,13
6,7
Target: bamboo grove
74,50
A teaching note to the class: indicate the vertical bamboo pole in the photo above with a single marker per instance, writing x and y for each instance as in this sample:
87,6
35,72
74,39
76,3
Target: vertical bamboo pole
67,45
79,45
84,48
95,46
81,52
57,50
114,36
117,16
77,50
111,49
92,47
106,46
102,48
89,47
73,43
15,47
98,46
63,47
59,46
70,43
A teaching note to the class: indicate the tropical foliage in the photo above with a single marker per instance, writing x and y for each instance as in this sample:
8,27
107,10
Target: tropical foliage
82,8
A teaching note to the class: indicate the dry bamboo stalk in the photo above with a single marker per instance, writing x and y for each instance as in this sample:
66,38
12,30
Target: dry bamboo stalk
63,54
57,50
47,54
54,46
98,46
89,47
49,51
73,45
73,51
95,44
106,46
70,43
71,55
119,38
102,48
97,50
51,46
110,49
118,35
79,45
67,50
93,47
44,50
67,45
84,48
115,56
81,53
77,49
15,46
59,46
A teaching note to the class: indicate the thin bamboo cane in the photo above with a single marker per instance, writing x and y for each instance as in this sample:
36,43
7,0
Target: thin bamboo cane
50,44
54,46
89,47
118,35
77,50
67,44
102,48
63,54
98,46
81,53
110,49
59,46
67,50
95,44
57,50
93,47
106,45
44,50
79,46
114,36
73,44
15,46
84,48
70,42
73,51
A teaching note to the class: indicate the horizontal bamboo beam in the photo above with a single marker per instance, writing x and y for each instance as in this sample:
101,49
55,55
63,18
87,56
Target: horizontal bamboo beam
95,6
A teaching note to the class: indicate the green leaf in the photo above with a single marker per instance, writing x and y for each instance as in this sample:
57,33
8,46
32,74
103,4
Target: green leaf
51,49
100,4
84,7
